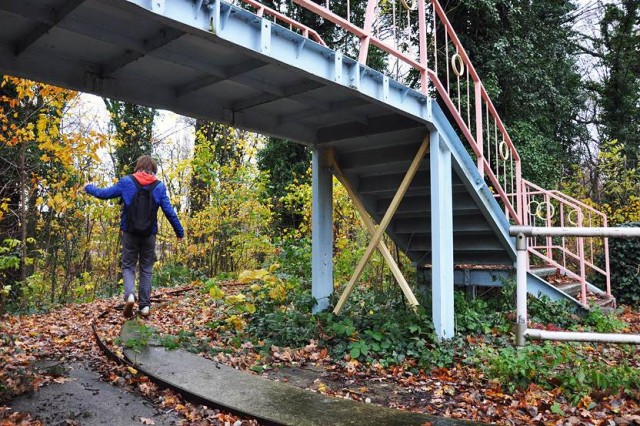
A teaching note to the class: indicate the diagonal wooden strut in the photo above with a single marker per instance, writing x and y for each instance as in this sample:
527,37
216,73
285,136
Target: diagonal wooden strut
371,226
377,235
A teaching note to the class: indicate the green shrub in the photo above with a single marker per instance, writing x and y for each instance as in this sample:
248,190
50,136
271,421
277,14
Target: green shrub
556,365
173,275
294,256
624,260
515,368
560,313
600,321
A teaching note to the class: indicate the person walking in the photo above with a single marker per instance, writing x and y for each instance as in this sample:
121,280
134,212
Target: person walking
141,194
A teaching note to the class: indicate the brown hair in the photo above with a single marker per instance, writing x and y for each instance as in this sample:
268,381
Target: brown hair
146,164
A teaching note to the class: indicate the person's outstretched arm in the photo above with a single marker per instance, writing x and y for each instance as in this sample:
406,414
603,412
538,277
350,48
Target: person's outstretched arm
170,213
113,191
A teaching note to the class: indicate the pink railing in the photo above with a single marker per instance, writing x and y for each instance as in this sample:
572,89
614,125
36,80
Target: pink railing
280,18
575,256
444,65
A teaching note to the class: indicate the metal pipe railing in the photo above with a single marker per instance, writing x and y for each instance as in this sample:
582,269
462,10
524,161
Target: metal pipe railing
522,331
558,231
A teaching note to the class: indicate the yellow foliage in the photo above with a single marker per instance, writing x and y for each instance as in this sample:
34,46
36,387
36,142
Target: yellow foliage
630,212
236,322
246,277
235,298
279,292
274,267
216,293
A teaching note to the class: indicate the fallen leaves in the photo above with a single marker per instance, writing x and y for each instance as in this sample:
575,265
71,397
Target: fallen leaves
460,391
65,335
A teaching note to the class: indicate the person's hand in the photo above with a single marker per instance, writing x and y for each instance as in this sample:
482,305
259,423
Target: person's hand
83,190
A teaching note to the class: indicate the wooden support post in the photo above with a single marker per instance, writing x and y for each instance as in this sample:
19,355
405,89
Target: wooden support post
441,239
321,230
371,227
395,202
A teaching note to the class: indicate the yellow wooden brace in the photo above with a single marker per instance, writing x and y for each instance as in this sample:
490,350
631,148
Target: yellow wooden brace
371,227
379,231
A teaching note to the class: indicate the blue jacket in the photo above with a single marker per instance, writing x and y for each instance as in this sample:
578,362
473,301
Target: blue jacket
125,188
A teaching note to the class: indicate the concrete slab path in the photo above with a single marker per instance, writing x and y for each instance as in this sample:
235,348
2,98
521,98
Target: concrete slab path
268,401
83,399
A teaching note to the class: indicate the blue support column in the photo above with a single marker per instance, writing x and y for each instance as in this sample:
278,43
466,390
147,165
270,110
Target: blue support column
321,231
441,239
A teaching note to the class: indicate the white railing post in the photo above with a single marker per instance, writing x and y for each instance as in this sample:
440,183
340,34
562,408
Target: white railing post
422,34
521,289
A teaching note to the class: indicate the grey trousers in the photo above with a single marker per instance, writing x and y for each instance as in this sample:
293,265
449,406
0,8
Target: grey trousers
138,251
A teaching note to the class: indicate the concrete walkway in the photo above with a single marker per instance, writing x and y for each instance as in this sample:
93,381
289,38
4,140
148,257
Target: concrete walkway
260,398
84,399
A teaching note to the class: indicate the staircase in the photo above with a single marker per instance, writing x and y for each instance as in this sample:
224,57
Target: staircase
487,198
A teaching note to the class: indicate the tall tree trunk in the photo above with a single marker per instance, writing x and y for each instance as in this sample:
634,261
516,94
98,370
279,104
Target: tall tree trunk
23,210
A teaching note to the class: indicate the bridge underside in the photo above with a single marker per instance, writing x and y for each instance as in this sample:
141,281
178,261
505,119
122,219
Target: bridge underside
225,64
225,67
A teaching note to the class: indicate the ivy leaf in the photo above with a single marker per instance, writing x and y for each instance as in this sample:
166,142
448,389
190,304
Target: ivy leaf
355,352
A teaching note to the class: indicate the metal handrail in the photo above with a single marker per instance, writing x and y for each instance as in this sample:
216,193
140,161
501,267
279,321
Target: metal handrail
503,169
605,241
497,141
548,218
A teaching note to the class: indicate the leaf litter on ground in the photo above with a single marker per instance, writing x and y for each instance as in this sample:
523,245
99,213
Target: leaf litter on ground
460,391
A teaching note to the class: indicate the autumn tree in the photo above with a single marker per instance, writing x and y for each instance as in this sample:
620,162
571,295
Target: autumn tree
39,185
287,162
227,221
217,137
133,125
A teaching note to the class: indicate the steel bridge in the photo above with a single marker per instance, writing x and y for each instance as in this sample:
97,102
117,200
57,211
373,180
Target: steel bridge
432,165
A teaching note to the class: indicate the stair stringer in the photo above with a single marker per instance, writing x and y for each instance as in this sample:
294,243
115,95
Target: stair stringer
537,286
471,178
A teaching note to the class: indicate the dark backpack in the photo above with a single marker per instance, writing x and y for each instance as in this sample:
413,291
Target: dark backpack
141,213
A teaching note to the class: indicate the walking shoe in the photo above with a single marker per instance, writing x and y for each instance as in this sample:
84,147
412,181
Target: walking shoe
144,311
128,306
